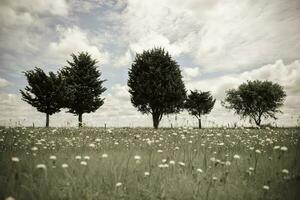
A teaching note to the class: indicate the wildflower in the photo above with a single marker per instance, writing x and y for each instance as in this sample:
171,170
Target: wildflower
159,151
118,184
64,165
176,148
137,157
227,163
34,148
164,160
181,164
9,198
92,145
251,148
285,171
77,157
146,173
199,170
41,166
236,156
86,157
52,157
265,187
84,163
15,159
172,162
251,169
283,148
214,178
276,147
257,151
104,155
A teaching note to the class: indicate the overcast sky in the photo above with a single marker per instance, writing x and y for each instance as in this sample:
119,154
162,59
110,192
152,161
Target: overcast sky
218,44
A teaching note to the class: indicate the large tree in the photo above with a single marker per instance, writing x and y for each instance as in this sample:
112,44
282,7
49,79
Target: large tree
255,99
44,92
155,84
83,85
199,103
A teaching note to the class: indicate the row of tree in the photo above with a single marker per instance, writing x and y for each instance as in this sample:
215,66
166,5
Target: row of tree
155,86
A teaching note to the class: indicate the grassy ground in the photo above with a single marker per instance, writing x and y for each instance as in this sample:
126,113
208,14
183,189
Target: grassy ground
147,164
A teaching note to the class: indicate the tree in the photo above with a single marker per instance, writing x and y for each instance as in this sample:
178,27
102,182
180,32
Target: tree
155,84
199,103
83,85
256,99
44,92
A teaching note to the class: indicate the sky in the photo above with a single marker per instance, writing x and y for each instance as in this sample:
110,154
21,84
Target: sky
218,44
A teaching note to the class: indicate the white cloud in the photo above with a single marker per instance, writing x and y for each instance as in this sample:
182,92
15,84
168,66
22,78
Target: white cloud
218,35
190,72
3,82
73,40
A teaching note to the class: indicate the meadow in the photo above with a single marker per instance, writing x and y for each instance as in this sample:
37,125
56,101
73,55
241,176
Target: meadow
141,163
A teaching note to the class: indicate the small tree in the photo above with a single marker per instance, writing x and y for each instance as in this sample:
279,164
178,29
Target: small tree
199,103
83,85
155,84
45,92
256,99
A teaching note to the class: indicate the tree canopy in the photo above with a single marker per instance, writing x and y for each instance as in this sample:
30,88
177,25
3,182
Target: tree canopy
199,103
44,92
83,85
155,84
256,99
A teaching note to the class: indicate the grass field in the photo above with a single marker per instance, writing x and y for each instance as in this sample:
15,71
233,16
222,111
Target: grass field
142,163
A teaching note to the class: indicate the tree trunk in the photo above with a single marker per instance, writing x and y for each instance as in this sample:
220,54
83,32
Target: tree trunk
199,121
156,120
80,120
47,120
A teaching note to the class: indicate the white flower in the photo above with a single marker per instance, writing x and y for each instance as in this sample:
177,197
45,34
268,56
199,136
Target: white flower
52,157
86,157
77,157
199,170
34,148
118,184
265,187
251,169
41,166
84,163
92,145
15,159
181,164
164,160
9,198
159,151
64,165
146,173
104,155
172,162
276,147
285,171
214,178
227,163
283,148
213,159
236,156
257,151
137,157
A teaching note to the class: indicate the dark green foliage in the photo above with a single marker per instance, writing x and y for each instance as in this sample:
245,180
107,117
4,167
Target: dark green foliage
155,84
83,85
256,99
45,92
199,103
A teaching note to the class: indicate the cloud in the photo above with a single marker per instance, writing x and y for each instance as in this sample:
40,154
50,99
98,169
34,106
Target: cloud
218,35
73,40
190,72
3,82
286,75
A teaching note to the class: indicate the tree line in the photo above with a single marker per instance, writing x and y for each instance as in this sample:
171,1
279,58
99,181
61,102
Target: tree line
155,86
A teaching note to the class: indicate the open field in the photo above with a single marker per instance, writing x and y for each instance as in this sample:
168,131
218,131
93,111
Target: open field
138,163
